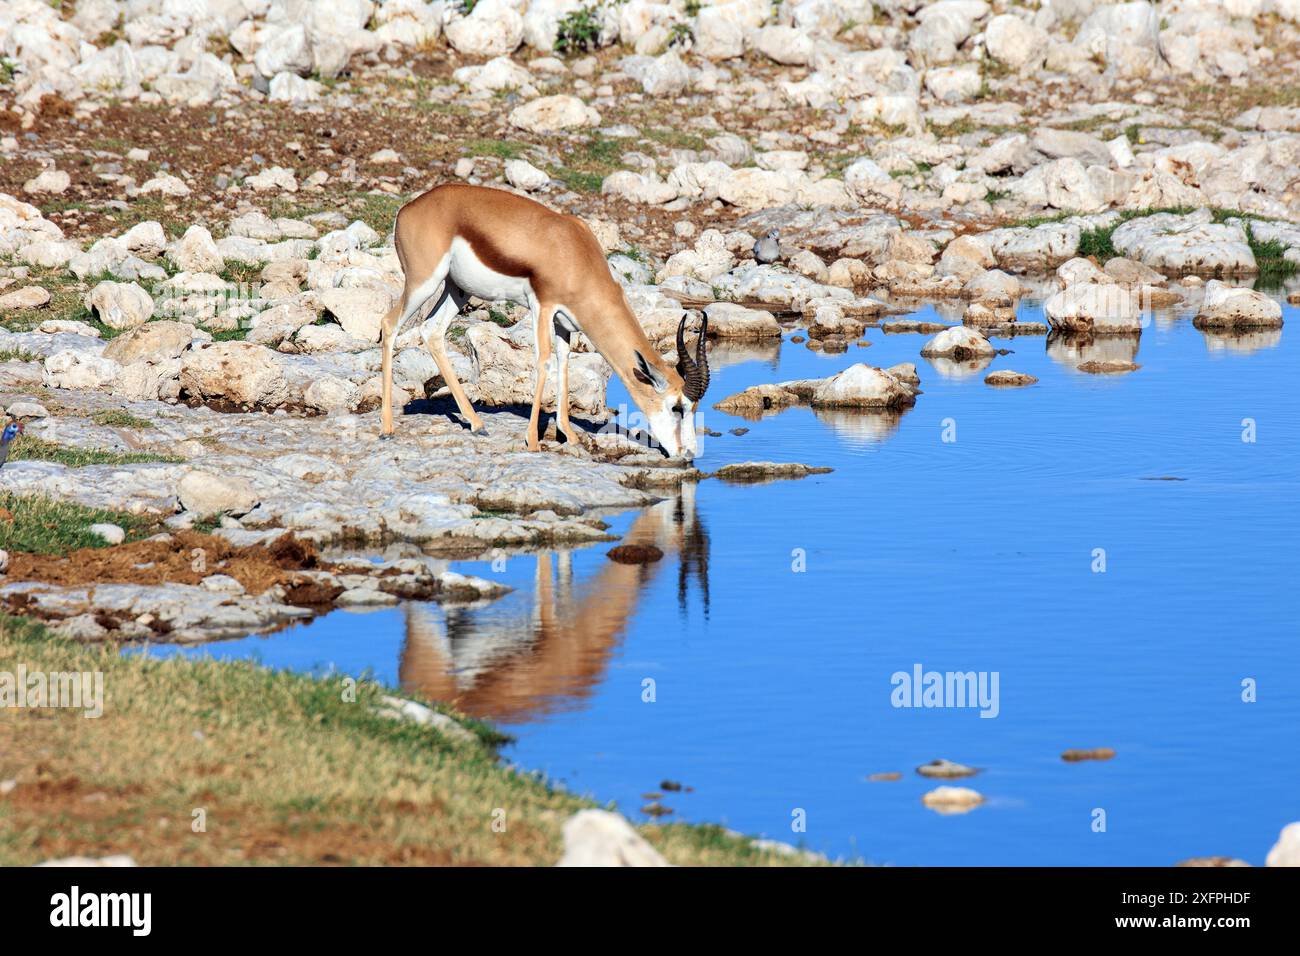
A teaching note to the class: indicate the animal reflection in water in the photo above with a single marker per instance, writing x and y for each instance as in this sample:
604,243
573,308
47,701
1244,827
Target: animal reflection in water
508,666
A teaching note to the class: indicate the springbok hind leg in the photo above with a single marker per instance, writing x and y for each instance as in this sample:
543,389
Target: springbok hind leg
562,350
435,332
542,349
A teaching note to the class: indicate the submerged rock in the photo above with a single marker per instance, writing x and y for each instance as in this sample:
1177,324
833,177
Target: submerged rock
752,471
945,769
952,800
1006,378
1107,366
1075,755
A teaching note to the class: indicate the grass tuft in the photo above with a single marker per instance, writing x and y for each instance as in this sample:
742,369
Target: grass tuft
119,418
30,448
46,526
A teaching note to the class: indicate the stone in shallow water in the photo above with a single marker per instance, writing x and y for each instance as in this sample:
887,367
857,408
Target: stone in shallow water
945,769
959,342
766,471
952,800
1006,378
1074,754
1094,307
1229,307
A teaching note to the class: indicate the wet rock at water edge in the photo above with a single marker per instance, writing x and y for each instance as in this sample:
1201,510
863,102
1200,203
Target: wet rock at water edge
946,769
1074,755
913,325
1198,861
1230,307
1108,367
635,554
888,776
959,343
1006,378
739,431
952,800
656,809
672,786
751,471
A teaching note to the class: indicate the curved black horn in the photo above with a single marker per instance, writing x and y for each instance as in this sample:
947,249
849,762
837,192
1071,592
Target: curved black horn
695,371
684,362
698,384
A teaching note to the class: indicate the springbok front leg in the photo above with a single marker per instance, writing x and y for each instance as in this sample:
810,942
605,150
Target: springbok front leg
435,333
542,350
387,336
413,300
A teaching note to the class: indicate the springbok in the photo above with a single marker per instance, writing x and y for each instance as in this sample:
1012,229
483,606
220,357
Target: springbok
457,240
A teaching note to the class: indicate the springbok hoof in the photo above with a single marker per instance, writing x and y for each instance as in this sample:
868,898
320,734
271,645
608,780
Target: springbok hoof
385,436
481,431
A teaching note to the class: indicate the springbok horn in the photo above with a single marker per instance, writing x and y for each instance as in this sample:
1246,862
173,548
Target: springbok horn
694,371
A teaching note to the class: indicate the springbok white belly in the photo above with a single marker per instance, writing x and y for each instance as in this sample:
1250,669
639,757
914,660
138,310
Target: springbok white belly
471,274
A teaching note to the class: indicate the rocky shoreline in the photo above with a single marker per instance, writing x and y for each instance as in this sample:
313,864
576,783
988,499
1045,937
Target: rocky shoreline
196,203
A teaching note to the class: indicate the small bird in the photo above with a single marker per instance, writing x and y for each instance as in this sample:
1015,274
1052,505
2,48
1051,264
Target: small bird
768,249
12,431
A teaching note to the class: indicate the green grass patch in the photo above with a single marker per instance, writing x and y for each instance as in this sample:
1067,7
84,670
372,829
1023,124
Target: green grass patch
289,769
377,210
30,448
45,526
1269,256
119,418
676,138
576,179
500,148
18,355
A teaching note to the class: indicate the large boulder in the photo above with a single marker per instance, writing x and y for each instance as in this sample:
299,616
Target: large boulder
493,28
359,310
958,343
601,838
1183,245
120,305
242,373
152,342
1230,307
79,369
205,493
1095,307
863,386
1016,43
504,366
550,114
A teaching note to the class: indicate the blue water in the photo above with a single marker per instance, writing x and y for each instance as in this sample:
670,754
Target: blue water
773,696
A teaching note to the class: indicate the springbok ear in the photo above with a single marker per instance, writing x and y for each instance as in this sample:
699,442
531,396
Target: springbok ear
647,374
